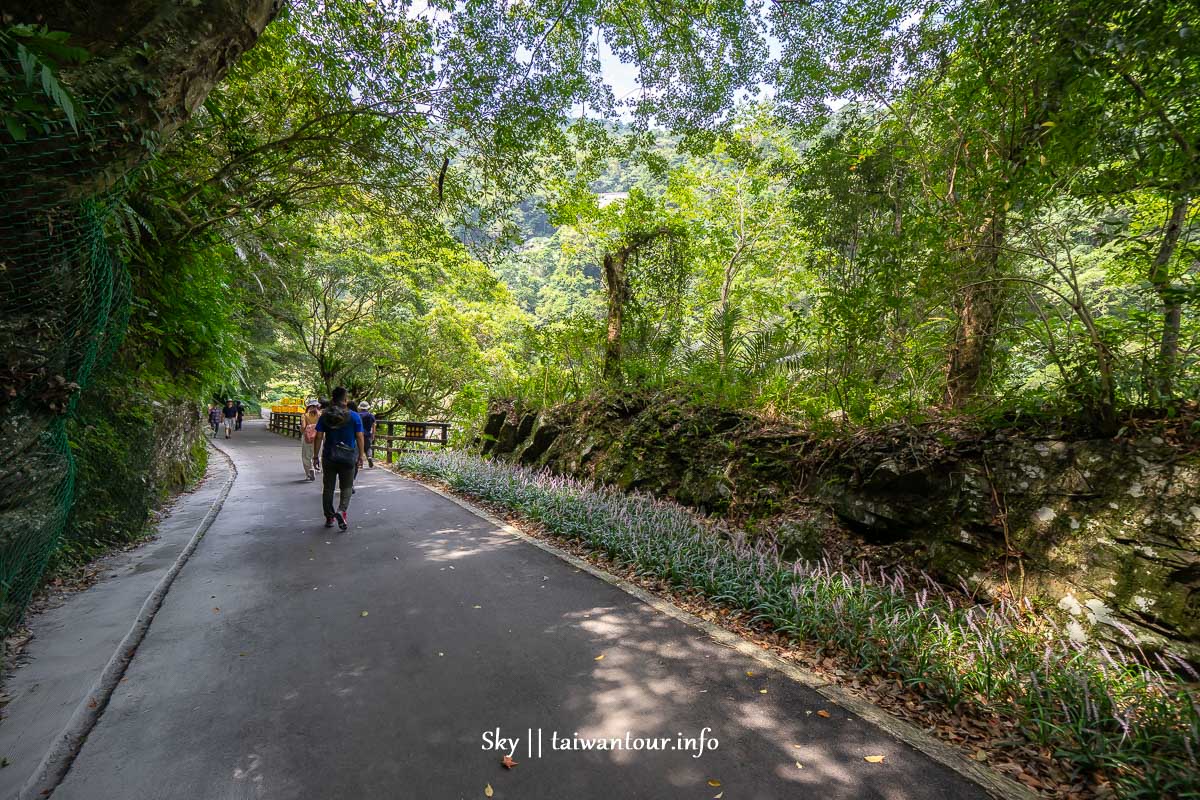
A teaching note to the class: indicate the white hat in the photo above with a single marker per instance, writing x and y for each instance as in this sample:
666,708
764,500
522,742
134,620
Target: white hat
310,402
364,406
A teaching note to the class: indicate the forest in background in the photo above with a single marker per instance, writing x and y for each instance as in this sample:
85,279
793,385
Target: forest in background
991,222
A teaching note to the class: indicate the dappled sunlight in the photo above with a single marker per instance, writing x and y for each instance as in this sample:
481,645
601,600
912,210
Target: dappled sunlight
456,550
652,676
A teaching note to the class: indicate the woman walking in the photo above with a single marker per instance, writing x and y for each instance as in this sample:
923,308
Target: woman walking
214,418
308,434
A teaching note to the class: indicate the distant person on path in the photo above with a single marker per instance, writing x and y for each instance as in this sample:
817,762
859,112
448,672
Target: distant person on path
368,420
339,447
308,437
214,418
229,413
241,412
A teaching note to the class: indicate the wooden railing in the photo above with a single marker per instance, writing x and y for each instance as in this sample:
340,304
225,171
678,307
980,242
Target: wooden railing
412,436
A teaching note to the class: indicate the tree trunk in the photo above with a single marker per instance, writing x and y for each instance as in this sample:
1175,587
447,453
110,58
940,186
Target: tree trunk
979,306
614,281
1172,306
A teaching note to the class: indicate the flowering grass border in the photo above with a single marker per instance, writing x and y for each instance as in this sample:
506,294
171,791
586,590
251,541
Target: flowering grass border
1103,711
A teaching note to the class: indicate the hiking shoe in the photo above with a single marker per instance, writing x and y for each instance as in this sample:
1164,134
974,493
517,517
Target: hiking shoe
329,522
342,519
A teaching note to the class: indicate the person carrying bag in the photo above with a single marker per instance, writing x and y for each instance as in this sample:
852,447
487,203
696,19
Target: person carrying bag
339,445
308,438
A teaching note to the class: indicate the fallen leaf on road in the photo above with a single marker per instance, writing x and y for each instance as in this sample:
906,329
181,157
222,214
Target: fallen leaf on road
762,691
980,755
363,614
476,606
823,713
749,674
713,782
216,610
873,759
487,790
508,762
718,795
92,703
799,765
600,657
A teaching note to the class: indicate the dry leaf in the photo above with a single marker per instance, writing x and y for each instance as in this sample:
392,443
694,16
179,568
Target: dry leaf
713,782
718,795
762,691
508,762
487,790
799,765
92,703
749,674
476,606
823,713
600,657
363,614
980,755
873,759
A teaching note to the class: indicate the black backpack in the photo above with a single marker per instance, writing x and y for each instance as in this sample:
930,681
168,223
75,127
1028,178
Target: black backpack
339,453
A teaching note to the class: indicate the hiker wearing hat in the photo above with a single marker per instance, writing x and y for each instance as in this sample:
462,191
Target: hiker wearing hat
339,445
368,420
308,436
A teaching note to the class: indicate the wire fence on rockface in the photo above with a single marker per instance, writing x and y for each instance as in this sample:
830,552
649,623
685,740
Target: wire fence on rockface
64,308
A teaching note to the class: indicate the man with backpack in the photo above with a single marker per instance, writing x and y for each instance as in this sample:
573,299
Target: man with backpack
338,449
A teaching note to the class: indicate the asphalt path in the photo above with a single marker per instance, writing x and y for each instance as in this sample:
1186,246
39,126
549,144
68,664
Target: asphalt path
294,661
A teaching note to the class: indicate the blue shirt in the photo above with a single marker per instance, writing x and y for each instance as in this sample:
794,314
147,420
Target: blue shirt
344,435
368,421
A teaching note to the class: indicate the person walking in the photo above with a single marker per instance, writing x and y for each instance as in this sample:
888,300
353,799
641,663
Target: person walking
308,436
229,414
339,448
368,421
214,418
241,412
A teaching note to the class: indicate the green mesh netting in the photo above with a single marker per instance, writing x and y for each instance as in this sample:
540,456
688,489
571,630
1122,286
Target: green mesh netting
64,307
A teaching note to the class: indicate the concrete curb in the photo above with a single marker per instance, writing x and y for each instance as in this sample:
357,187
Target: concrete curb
61,755
990,780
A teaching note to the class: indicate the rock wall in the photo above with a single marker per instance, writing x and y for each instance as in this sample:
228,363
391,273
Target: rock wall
129,458
1106,529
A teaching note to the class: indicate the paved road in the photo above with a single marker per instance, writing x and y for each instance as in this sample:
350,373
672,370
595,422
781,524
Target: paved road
290,661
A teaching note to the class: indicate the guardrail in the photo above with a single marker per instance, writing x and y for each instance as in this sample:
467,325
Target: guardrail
411,438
